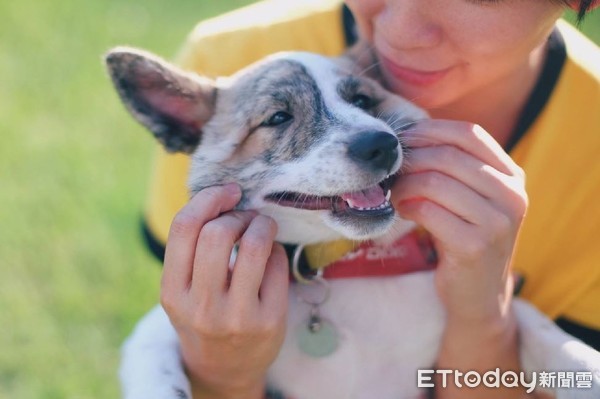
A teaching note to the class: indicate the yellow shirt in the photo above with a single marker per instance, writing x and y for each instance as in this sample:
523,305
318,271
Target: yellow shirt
558,252
559,246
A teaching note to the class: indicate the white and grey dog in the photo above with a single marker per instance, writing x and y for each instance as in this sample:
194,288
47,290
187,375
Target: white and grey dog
313,143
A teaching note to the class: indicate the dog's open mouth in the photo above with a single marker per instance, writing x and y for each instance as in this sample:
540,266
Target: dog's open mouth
370,202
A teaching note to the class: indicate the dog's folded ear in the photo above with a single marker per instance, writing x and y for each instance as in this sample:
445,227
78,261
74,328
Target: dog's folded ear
363,60
172,103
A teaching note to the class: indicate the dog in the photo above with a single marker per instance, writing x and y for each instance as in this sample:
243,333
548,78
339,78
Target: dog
315,143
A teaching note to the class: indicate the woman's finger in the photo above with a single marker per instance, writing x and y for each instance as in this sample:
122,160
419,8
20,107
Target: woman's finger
255,247
469,137
275,284
213,251
445,191
447,229
471,171
184,232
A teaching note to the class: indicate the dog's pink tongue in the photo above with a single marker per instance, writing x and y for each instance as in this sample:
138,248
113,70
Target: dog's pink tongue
369,198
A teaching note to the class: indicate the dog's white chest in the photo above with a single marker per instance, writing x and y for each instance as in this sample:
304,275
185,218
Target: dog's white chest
387,329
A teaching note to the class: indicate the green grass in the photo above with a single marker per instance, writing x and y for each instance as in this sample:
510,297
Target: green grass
73,171
590,25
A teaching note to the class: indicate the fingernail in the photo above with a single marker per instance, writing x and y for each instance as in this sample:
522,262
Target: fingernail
232,188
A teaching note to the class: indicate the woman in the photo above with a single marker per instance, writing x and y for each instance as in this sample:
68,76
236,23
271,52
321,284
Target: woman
503,67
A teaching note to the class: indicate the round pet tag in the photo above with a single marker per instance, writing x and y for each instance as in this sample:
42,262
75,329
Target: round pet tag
318,340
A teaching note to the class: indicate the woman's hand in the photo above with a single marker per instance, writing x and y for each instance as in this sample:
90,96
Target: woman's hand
462,187
231,324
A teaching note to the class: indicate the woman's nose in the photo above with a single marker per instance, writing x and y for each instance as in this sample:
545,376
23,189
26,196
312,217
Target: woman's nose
409,24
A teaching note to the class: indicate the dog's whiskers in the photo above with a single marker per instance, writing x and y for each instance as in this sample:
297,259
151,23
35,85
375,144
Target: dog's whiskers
392,118
367,69
408,139
280,199
301,199
399,123
366,51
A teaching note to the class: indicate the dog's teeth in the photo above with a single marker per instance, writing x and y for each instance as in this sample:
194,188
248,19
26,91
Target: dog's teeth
384,205
388,195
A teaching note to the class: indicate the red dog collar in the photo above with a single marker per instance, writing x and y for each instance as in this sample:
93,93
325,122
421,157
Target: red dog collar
411,253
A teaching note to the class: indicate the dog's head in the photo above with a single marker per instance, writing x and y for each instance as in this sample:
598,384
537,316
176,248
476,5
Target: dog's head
312,141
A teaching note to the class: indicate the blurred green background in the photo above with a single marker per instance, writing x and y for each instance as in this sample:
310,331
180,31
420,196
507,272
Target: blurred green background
75,275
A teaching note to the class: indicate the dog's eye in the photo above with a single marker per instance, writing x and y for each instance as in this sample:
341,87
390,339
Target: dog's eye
278,118
362,101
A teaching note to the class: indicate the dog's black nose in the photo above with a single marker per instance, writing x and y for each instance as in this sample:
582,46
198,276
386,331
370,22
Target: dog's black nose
377,149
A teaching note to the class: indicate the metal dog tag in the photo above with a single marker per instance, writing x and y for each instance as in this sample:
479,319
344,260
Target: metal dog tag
319,338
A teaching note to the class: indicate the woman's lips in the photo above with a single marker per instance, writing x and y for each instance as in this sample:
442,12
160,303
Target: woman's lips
413,76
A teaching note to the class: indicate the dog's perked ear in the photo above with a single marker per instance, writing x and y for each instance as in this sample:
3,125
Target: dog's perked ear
172,103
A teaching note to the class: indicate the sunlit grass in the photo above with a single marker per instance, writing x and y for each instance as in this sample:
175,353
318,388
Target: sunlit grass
590,24
73,171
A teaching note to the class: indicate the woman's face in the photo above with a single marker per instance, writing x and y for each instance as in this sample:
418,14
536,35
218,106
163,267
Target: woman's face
436,52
